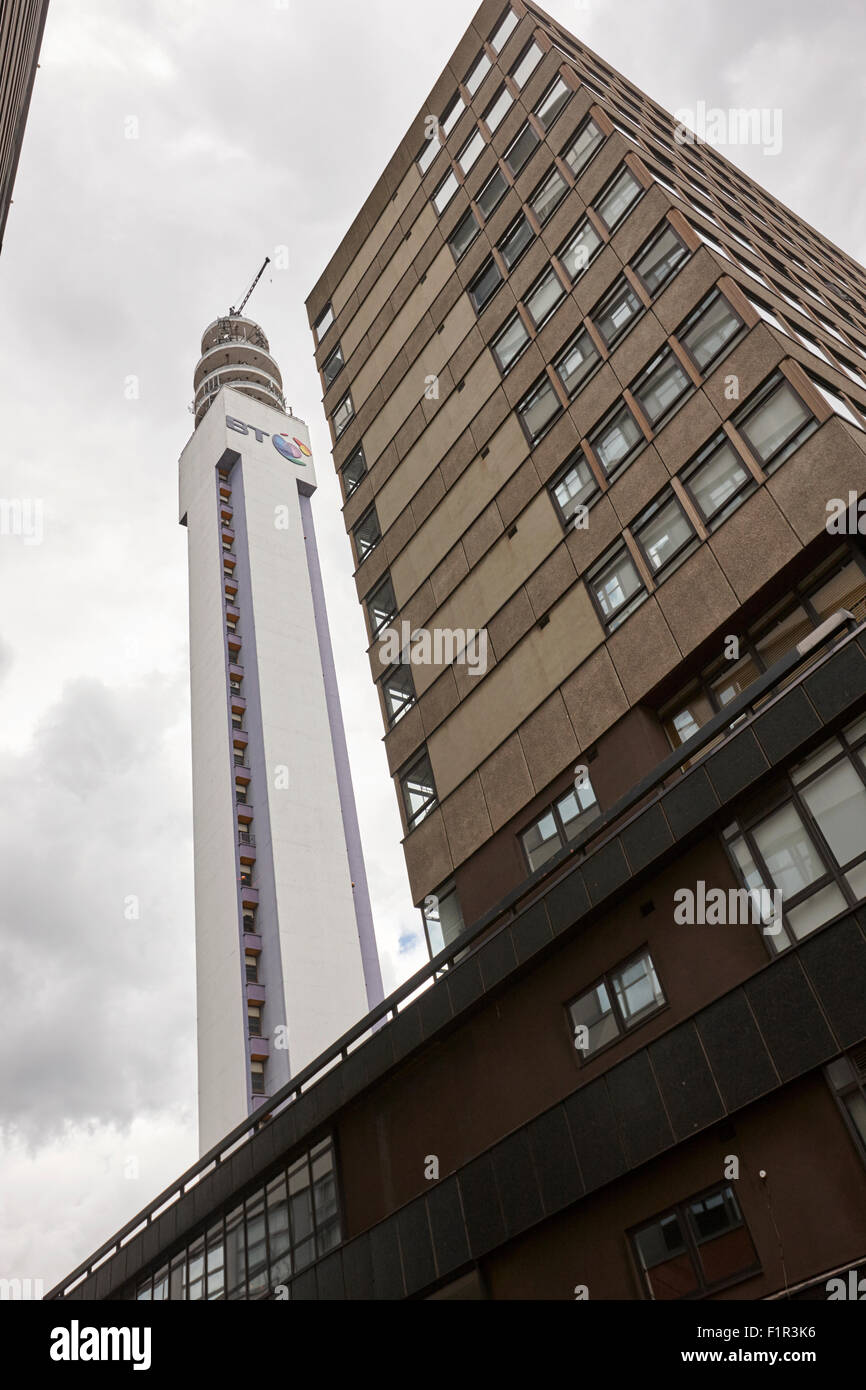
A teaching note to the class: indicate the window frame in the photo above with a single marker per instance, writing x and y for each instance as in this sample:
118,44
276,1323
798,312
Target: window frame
620,405
554,172
347,490
340,430
601,307
565,841
508,233
681,1211
414,819
740,419
549,270
535,389
487,265
512,318
683,550
693,319
743,491
366,516
392,718
560,475
632,603
664,227
664,355
326,380
604,193
588,119
624,1028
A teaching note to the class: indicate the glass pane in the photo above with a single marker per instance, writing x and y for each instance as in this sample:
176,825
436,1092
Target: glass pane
837,800
716,326
664,534
615,203
776,421
485,284
783,636
718,479
575,487
552,103
616,440
576,363
544,297
542,841
589,137
540,408
445,192
478,74
616,584
788,851
593,1012
856,881
470,152
658,262
521,149
548,196
579,251
527,65
817,910
711,1216
616,311
662,388
464,234
492,193
511,342
825,754
505,28
638,991
574,809
452,115
515,242
496,112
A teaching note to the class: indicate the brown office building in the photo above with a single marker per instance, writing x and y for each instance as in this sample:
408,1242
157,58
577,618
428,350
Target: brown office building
22,23
599,410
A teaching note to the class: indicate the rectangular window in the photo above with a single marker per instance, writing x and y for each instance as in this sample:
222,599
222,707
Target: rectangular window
470,151
323,323
775,423
664,533
478,73
366,534
492,193
847,1077
621,1000
353,471
343,415
559,825
696,1247
659,261
503,31
718,480
617,439
580,249
620,195
617,311
445,192
463,235
577,362
251,968
485,284
429,151
544,296
419,790
257,1076
518,237
836,403
443,918
548,196
710,331
616,586
526,64
452,115
552,103
498,109
573,487
519,151
580,151
398,690
254,1020
661,386
382,606
539,409
510,342
333,366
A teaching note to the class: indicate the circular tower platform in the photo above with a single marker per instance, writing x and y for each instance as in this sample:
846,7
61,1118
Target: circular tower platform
235,352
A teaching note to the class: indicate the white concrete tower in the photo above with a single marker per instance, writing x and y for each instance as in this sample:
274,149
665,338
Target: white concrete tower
285,952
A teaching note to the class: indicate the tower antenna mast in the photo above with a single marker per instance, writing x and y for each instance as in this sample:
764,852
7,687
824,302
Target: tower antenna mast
235,313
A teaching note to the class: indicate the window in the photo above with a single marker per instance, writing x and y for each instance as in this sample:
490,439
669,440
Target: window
333,366
519,151
659,261
836,403
619,1001
419,790
503,31
254,1020
580,248
452,115
498,109
366,535
617,439
510,342
478,74
616,586
343,415
398,691
559,825
584,145
539,409
698,1246
552,103
718,480
323,323
518,237
775,422
812,848
618,197
445,192
443,918
544,296
847,1077
463,235
485,284
577,362
617,311
574,486
251,968
526,64
428,153
664,533
768,316
381,606
257,1071
661,386
492,193
711,330
353,471
548,196
471,150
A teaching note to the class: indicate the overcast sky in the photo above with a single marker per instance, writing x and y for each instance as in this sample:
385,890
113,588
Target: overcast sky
257,125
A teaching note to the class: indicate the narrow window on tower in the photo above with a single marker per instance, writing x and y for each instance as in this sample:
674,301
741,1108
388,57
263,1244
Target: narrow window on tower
485,285
510,342
498,109
662,386
257,1076
664,534
343,415
251,968
463,235
526,64
333,366
711,331
617,311
323,323
521,148
381,606
353,471
718,480
538,409
660,259
580,249
492,193
398,693
366,535
574,486
698,1246
618,1002
583,146
775,422
477,73
616,586
548,196
553,102
559,825
617,440
445,192
443,918
503,31
419,790
618,197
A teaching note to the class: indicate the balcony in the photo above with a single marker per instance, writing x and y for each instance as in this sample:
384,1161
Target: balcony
249,895
238,702
255,994
260,1049
236,671
245,814
252,942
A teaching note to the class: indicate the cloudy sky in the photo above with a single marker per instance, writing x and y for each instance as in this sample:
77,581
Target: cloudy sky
172,144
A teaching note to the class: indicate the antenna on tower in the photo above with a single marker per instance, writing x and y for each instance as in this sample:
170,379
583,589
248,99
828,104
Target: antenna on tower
235,313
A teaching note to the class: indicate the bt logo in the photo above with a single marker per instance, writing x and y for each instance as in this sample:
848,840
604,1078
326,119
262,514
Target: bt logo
294,449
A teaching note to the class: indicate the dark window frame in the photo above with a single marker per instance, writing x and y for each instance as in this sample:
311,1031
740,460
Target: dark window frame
370,599
695,317
588,119
489,264
548,91
624,1028
549,269
350,490
564,840
601,307
736,499
535,439
666,352
393,719
680,1210
414,819
605,191
512,318
326,380
560,475
510,230
683,550
749,409
664,227
469,215
620,405
365,517
594,366
638,598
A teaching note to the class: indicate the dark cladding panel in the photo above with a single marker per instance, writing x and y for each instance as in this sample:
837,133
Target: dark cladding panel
687,1085
835,962
518,1186
416,1245
555,1161
639,1110
450,1241
594,1135
481,1207
739,1060
790,1019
